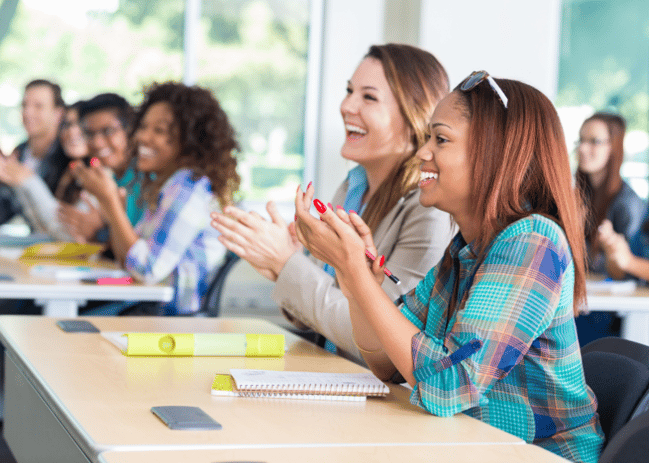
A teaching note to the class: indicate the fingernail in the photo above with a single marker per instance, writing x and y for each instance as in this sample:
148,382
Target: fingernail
382,261
339,206
319,206
94,162
73,164
310,183
330,206
295,218
352,211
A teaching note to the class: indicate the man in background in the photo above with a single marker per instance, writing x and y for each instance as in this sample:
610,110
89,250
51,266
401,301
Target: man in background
42,111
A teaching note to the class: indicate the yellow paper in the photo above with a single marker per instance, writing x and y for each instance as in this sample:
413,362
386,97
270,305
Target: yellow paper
61,251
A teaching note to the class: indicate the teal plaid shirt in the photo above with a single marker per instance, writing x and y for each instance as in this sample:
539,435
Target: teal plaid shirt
509,354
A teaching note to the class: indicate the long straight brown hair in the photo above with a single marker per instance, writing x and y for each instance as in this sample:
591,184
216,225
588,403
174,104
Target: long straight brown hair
418,81
524,167
598,199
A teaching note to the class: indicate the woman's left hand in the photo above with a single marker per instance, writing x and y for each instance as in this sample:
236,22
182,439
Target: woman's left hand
338,238
617,250
98,181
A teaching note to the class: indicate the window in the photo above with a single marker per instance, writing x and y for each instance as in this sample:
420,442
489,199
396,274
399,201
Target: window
604,66
251,53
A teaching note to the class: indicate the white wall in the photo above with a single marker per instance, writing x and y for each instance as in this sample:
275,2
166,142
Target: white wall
515,39
350,27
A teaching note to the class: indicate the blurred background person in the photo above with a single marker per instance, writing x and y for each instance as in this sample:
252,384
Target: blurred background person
600,152
185,146
106,121
42,112
38,203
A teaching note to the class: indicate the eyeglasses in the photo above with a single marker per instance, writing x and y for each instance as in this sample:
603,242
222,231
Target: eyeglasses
591,142
476,78
105,132
68,124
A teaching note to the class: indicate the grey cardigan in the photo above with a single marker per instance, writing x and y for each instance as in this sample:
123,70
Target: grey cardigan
413,239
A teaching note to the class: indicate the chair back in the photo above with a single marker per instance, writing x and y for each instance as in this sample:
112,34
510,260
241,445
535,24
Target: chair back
211,304
630,444
619,383
630,349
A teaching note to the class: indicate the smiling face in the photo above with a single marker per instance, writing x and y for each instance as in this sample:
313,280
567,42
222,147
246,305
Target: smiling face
376,131
594,148
72,139
446,170
157,139
107,139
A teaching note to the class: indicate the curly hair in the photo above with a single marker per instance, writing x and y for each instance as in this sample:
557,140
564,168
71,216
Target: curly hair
206,138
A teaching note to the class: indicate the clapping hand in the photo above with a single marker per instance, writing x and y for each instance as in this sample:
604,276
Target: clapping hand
266,245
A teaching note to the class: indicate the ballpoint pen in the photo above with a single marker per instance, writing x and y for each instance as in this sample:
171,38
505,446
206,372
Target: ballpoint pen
387,272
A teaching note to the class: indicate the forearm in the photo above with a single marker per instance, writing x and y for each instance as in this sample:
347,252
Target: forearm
373,307
122,234
638,267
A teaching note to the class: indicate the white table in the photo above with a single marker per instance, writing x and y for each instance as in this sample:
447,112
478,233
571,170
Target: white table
631,305
73,396
64,298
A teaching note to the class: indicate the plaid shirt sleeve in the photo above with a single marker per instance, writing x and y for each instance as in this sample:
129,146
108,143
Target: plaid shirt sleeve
175,226
510,302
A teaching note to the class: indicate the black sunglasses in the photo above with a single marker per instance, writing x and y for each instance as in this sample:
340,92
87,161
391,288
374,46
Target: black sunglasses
476,78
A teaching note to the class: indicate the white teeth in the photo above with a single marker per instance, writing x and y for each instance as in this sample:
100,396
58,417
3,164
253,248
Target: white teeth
145,151
428,175
353,128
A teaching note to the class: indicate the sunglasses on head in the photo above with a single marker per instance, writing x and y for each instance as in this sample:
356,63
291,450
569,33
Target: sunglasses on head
476,78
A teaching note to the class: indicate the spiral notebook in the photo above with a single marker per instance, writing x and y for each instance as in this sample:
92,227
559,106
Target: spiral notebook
299,385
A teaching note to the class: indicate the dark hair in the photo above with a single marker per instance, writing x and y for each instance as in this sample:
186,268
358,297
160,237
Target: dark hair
598,199
207,140
524,167
68,190
110,102
55,88
418,82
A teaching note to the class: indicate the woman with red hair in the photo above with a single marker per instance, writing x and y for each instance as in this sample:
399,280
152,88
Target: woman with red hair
490,331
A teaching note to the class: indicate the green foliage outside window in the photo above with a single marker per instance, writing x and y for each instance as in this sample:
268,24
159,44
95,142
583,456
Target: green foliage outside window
251,53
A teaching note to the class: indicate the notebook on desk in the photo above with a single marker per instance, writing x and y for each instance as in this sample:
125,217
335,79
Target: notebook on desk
298,385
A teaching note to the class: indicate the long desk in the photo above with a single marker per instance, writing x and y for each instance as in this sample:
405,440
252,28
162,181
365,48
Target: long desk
72,397
490,453
63,298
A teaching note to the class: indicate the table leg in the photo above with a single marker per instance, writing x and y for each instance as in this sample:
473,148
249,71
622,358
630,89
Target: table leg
635,326
60,308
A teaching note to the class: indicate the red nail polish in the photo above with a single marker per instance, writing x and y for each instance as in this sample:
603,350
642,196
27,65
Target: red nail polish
295,218
382,261
94,162
352,211
73,164
330,206
319,206
339,206
310,183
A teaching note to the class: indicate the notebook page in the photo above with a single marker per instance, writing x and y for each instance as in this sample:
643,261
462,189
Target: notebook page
364,383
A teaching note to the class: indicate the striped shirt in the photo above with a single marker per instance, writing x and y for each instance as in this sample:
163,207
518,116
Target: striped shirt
509,354
177,245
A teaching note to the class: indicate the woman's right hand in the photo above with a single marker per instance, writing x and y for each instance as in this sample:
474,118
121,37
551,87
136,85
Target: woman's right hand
266,245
